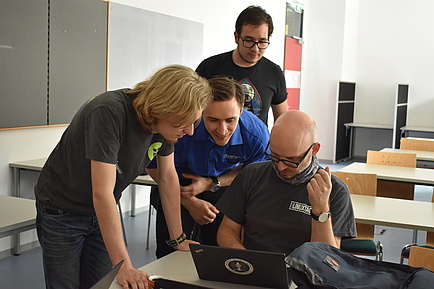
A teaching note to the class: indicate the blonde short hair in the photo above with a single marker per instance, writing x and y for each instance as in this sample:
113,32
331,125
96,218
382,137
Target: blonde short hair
173,91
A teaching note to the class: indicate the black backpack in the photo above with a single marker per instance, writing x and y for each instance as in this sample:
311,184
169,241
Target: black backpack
316,265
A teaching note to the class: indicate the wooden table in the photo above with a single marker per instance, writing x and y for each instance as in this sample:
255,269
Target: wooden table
417,176
406,129
179,266
31,165
37,164
407,214
16,215
351,126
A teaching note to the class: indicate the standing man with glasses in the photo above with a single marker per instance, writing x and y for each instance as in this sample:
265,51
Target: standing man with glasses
289,200
262,80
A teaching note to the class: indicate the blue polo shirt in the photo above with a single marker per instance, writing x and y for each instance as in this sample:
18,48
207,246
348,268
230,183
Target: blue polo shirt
200,155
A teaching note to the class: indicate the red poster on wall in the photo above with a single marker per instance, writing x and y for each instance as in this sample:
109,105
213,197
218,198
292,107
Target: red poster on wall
292,71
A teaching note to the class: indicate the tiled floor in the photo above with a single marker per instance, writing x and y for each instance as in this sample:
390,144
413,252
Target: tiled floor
25,271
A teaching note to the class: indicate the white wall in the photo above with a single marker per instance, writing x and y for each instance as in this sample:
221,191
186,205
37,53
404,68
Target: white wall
375,43
395,44
322,66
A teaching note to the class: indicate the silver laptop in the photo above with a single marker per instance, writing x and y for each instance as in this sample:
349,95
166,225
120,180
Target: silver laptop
107,280
248,267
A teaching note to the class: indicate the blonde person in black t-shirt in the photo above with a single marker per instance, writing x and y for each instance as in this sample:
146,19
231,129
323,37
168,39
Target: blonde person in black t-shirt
110,141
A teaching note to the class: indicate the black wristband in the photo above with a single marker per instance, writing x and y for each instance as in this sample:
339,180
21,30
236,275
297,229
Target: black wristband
177,241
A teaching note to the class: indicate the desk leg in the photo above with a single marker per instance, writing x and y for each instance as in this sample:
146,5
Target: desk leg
415,236
16,193
351,143
17,245
133,200
16,182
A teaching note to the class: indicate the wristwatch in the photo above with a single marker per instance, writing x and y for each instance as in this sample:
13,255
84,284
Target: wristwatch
216,184
322,217
177,241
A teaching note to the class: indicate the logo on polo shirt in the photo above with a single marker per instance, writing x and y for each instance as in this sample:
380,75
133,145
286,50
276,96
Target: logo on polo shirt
232,157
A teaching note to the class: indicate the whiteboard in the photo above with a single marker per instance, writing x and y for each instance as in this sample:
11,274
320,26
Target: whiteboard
142,41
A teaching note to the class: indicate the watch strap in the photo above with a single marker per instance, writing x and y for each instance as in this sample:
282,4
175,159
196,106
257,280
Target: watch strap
214,180
317,218
177,241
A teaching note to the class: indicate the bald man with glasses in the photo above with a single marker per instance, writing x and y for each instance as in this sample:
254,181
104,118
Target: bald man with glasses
279,204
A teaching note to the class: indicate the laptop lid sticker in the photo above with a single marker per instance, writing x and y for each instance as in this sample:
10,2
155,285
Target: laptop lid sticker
239,266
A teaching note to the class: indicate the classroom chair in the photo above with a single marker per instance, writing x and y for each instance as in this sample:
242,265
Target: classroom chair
364,244
429,244
421,257
389,188
417,144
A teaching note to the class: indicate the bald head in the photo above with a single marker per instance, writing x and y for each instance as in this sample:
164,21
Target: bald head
292,133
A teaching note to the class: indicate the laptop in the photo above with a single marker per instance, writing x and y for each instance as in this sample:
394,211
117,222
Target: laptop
172,284
107,280
248,267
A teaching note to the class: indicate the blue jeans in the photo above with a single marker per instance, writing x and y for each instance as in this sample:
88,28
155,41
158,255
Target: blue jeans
73,251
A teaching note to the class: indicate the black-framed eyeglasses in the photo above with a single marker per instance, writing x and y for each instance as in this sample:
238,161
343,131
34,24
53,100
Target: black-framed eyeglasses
287,163
247,43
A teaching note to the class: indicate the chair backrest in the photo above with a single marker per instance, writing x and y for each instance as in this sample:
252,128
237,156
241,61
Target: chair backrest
359,183
417,144
421,257
391,159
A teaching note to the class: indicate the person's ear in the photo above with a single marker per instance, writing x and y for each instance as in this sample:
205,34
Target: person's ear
315,148
236,37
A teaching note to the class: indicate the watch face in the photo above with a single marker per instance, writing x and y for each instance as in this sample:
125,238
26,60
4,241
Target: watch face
323,217
215,188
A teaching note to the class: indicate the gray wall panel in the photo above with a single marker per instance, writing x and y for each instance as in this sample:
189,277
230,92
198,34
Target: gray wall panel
77,55
23,62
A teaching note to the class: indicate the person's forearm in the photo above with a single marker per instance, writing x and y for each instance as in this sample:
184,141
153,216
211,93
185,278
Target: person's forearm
228,238
153,173
227,178
109,223
171,200
323,232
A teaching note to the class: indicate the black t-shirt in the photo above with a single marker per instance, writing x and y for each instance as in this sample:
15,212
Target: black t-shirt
276,215
104,129
263,84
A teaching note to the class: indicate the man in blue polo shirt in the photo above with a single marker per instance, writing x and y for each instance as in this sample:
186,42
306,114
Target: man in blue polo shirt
227,139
